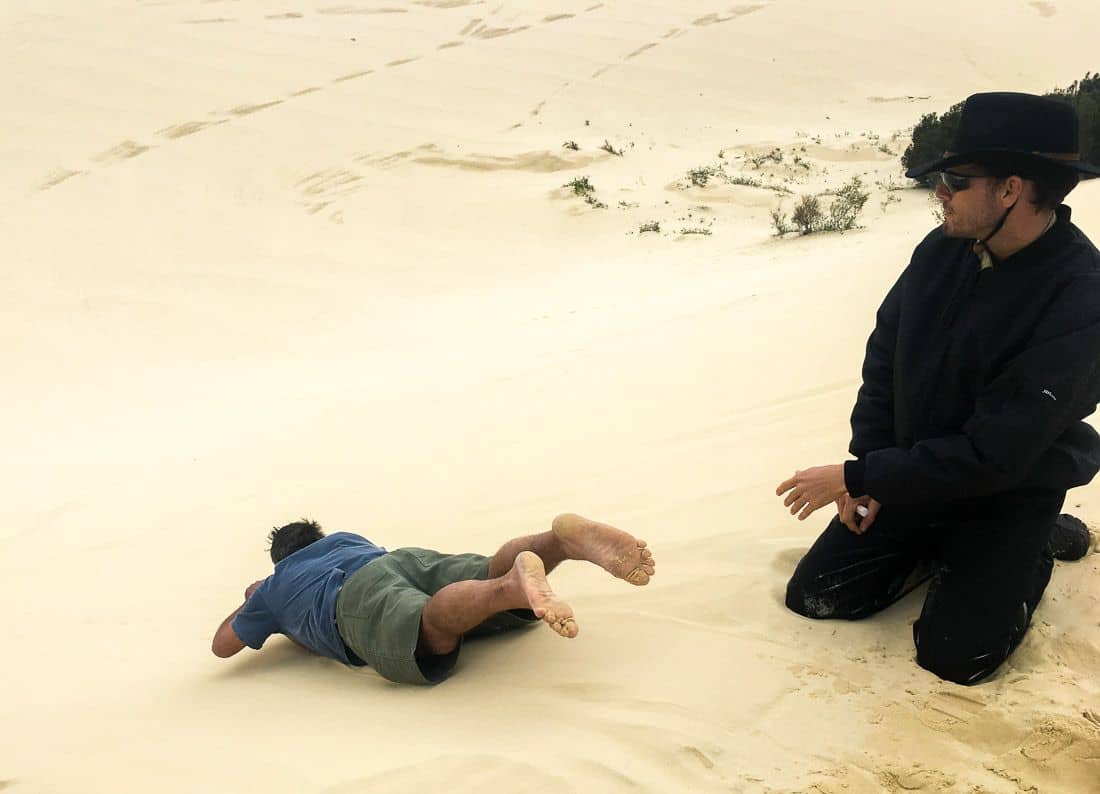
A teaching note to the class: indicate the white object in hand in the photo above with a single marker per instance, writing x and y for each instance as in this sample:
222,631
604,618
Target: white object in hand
863,511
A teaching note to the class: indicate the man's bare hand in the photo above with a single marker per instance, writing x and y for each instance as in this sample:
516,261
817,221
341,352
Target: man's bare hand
846,509
811,489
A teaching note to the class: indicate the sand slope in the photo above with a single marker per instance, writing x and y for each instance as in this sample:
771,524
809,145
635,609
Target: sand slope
320,259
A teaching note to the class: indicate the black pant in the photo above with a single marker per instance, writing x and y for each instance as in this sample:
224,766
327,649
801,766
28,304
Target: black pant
987,560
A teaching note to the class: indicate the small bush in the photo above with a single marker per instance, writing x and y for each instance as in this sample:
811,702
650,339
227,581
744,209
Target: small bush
607,147
581,186
807,216
651,226
846,207
779,222
571,145
700,176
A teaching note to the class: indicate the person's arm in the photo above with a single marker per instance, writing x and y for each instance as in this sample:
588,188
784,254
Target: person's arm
226,642
873,414
1038,395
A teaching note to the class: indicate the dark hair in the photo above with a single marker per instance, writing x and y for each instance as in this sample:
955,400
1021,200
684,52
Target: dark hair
288,539
1052,182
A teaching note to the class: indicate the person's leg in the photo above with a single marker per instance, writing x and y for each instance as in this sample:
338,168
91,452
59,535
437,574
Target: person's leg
995,565
849,576
573,537
516,579
461,606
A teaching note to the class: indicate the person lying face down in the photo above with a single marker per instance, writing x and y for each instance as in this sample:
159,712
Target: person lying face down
405,612
968,428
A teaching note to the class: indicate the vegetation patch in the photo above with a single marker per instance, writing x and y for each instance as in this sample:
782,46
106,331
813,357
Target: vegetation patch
810,214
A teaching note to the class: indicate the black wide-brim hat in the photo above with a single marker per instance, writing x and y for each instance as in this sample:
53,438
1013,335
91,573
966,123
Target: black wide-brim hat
1019,127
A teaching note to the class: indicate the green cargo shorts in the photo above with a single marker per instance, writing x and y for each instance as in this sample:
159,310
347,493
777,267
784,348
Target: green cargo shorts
378,611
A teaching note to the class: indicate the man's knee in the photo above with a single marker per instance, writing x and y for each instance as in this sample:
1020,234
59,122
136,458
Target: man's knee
956,660
808,601
959,668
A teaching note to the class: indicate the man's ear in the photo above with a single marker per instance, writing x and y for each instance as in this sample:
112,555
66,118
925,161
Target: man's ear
1012,189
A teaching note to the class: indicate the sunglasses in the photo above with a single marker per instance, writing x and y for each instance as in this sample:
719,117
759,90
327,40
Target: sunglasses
958,182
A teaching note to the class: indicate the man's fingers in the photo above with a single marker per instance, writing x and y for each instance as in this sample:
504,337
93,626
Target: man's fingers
806,512
786,485
792,497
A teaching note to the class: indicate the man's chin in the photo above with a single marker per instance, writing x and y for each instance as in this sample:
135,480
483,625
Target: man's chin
950,229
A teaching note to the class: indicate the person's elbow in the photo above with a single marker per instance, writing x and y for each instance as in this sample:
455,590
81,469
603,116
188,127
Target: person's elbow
226,643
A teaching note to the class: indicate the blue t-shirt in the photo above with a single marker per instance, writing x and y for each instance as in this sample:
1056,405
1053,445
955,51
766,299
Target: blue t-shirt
299,599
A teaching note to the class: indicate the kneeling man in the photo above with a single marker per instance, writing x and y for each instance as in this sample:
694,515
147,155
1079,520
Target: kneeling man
968,428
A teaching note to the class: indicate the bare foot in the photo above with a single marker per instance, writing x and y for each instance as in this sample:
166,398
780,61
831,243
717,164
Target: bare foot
531,576
620,554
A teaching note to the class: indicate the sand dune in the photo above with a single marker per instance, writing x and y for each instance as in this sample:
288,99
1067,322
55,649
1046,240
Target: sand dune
263,261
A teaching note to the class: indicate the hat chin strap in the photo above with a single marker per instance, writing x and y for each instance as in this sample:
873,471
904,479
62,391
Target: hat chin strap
983,244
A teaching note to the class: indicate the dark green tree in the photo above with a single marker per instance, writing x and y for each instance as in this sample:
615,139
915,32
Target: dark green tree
931,137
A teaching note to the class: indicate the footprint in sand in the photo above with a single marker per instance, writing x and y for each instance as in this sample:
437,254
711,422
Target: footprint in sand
57,177
915,779
786,560
1055,735
248,110
186,128
642,49
353,76
945,711
124,151
340,10
321,189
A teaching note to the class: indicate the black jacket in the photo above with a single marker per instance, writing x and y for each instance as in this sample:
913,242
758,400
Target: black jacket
976,381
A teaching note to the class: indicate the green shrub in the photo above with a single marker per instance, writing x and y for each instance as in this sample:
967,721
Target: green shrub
931,137
809,216
846,206
1085,94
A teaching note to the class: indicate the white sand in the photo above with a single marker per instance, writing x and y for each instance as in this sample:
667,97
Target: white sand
258,264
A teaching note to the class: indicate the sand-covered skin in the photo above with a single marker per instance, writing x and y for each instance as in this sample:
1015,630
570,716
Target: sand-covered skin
619,553
337,260
530,578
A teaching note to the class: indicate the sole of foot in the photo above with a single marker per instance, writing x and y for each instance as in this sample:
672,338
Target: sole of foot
543,601
619,553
